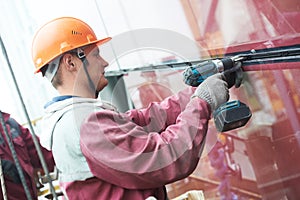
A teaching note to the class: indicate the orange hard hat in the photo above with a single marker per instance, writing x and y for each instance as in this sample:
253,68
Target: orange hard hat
59,36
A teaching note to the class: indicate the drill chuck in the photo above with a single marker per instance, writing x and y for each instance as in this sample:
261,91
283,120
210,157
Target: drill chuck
195,75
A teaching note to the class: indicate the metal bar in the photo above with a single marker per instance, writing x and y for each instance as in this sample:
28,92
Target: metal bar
254,65
35,141
288,54
271,53
264,61
4,194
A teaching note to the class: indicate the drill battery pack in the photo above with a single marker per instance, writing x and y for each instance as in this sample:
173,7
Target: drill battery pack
231,115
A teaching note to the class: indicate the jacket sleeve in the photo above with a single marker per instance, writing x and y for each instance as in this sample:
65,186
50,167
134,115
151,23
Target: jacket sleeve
123,153
166,112
32,151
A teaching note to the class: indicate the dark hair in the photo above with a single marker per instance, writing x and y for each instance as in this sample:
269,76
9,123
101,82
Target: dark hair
44,69
57,80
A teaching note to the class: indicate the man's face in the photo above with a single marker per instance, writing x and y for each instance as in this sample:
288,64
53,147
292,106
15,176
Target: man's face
96,66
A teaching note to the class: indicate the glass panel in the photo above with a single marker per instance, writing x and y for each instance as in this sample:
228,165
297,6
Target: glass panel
260,160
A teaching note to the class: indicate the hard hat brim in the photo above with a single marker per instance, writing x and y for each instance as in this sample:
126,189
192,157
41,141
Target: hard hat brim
97,42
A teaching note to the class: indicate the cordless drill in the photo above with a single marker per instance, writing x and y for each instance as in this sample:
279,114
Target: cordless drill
233,114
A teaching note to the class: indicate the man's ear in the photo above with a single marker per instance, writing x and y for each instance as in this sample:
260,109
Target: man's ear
69,61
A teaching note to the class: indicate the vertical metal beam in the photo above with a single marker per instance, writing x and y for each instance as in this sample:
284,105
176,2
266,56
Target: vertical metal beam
2,182
35,141
15,157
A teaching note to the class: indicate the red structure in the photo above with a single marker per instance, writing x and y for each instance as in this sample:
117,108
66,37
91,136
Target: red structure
271,141
265,153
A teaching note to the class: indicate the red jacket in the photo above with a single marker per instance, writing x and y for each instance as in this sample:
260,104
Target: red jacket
134,155
28,158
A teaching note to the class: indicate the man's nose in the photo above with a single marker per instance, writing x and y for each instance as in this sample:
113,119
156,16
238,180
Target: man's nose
105,63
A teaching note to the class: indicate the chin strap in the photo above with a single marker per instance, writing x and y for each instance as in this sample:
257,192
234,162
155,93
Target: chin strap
82,57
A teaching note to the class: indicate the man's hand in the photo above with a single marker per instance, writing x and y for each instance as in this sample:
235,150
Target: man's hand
214,90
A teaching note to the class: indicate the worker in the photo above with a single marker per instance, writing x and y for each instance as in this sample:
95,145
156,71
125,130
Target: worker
28,159
105,154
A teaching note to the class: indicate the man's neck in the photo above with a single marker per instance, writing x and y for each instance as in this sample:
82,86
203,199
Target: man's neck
77,92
